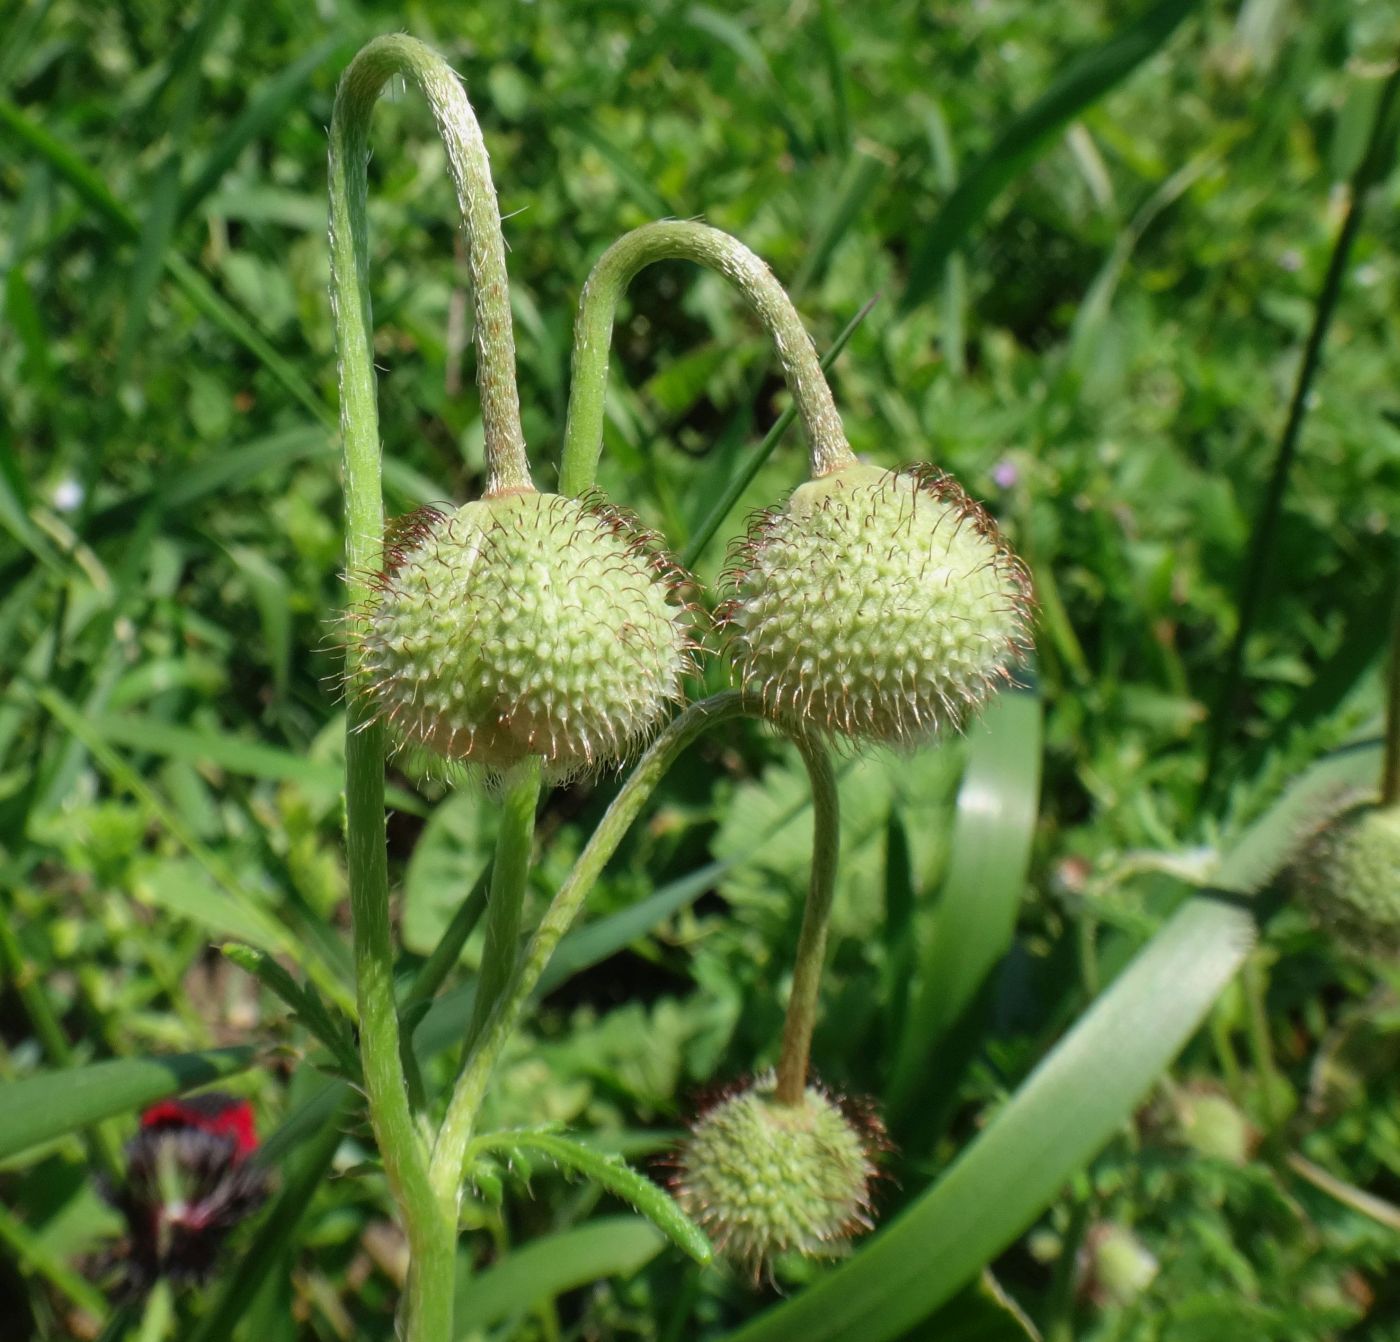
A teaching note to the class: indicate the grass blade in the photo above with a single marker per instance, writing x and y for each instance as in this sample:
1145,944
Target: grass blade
273,101
40,1108
1084,81
976,916
615,1246
1264,533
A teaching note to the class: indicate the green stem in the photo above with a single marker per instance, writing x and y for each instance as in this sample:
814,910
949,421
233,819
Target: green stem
431,1227
1261,1046
507,468
1261,551
1390,773
801,1016
505,904
456,1131
593,329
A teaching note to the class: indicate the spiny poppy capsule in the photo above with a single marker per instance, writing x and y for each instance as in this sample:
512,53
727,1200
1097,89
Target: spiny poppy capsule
878,605
1348,877
189,1181
526,624
766,1179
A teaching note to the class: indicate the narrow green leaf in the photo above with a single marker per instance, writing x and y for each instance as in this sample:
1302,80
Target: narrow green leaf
609,1172
976,915
595,942
1057,1121
34,1256
334,1030
1082,83
40,1108
857,189
615,1246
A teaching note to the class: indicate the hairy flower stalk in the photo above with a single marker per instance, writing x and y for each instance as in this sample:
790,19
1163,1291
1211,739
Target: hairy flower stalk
593,328
431,1223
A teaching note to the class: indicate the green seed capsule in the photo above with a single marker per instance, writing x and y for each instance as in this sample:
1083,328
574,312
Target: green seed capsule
880,605
1349,878
526,624
766,1179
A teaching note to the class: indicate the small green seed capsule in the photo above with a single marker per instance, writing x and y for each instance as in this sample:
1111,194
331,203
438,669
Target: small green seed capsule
881,605
1348,876
1115,1266
1214,1126
766,1179
525,624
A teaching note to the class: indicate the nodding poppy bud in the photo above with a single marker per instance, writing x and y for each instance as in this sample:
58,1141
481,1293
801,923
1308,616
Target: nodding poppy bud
526,624
878,605
1348,877
189,1181
767,1179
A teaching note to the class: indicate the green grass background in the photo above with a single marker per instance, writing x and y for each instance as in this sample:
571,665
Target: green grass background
1099,333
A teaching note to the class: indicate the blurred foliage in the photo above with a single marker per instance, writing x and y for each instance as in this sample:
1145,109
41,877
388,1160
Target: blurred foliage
1107,362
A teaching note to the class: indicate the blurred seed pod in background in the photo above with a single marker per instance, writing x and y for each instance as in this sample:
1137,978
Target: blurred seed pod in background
1348,878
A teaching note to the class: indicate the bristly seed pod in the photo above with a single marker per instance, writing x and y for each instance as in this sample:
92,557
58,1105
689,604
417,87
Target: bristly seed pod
525,624
766,1179
1348,876
879,605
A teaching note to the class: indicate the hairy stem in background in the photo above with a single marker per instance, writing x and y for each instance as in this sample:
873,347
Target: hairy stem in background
801,1016
593,330
450,1150
1261,550
1390,772
432,1229
504,905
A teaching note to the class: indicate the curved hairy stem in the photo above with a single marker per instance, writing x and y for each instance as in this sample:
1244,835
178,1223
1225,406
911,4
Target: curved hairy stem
360,87
816,923
593,329
431,1226
456,1131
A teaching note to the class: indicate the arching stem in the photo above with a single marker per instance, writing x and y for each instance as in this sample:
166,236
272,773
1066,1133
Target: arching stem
593,330
431,1224
801,1016
360,87
1390,772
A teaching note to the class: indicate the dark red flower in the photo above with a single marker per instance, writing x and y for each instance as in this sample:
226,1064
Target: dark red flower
189,1181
